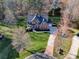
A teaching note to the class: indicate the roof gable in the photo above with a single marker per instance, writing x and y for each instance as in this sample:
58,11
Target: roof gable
39,18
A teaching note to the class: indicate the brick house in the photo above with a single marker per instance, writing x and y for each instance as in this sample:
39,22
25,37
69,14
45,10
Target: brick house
39,23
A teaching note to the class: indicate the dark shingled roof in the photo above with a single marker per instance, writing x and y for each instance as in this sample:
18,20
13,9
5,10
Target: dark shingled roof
39,18
40,56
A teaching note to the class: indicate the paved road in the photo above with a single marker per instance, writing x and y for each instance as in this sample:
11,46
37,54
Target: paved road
53,30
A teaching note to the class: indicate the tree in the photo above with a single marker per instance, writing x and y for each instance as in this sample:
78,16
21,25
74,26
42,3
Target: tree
13,10
2,10
40,7
21,39
69,19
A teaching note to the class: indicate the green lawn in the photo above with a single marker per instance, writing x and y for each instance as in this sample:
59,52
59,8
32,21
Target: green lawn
55,19
39,40
38,44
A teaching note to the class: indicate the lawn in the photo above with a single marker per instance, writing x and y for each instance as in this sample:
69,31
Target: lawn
38,44
55,19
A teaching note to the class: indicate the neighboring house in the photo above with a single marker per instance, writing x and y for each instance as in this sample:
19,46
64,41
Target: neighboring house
39,23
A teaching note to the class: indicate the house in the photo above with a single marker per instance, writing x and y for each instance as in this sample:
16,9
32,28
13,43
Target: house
39,23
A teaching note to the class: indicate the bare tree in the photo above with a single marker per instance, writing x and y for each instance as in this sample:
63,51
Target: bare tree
21,39
69,19
1,10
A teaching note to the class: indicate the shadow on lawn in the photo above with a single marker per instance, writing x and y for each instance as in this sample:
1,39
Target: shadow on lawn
78,55
41,50
6,49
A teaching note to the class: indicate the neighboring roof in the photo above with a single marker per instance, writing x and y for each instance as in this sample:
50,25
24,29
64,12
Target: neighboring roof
40,56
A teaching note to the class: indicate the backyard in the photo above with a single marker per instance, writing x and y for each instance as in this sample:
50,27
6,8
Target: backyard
28,27
38,44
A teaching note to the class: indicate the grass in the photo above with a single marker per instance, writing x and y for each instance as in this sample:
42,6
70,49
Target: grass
39,40
38,43
66,44
55,20
5,45
75,31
